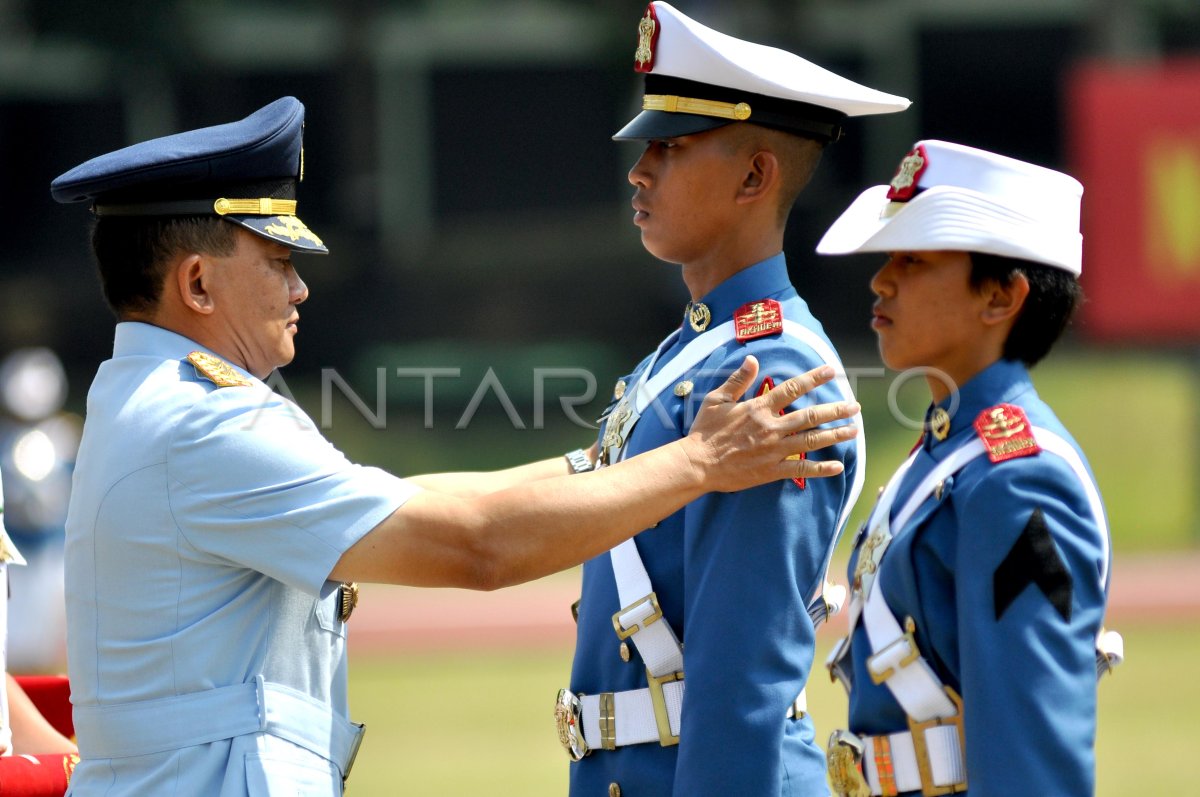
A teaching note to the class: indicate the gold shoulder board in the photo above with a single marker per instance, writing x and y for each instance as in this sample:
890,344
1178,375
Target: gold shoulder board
216,370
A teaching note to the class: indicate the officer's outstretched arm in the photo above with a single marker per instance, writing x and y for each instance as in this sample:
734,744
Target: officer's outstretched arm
531,530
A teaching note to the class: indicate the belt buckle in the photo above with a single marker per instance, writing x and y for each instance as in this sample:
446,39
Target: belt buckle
655,614
844,761
568,719
921,748
659,702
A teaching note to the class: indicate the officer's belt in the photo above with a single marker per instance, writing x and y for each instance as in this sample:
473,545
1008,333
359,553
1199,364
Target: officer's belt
123,730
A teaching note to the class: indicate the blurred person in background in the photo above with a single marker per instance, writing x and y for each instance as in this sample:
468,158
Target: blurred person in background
38,442
214,535
36,759
979,580
695,639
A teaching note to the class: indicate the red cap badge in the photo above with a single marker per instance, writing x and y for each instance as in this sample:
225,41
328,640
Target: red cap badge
768,384
648,29
904,184
757,320
1006,433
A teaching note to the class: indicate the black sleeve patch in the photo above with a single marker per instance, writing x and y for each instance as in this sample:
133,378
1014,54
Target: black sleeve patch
1033,560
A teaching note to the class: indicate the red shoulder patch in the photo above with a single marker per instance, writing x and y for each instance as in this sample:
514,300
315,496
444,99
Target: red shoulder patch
757,320
648,29
1006,433
768,384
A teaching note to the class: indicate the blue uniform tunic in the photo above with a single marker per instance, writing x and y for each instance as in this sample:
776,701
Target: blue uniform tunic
203,525
733,574
1027,675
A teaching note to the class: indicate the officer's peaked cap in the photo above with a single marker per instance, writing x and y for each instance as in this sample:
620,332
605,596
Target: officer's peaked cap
956,198
697,79
245,171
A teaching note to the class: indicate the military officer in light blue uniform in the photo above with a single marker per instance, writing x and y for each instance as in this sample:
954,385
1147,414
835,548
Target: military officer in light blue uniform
214,535
980,579
694,641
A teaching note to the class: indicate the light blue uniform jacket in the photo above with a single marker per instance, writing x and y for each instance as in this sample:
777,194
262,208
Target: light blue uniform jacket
733,574
203,526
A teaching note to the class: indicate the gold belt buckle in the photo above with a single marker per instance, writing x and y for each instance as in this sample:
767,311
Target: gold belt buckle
844,760
659,702
568,719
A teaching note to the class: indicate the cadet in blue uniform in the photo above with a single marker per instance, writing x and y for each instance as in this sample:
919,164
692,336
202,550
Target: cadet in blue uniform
213,534
980,579
732,132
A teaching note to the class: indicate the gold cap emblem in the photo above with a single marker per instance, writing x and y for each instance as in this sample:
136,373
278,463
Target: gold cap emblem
216,370
644,55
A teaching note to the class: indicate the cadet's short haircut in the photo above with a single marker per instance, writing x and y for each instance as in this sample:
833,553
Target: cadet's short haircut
132,254
1054,294
798,158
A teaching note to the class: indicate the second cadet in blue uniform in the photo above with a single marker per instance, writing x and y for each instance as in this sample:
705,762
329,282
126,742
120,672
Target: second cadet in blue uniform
980,578
694,642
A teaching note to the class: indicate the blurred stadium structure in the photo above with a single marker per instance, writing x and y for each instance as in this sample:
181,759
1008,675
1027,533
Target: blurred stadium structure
458,153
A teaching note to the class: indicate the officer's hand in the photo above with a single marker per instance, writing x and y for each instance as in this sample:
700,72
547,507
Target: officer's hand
740,444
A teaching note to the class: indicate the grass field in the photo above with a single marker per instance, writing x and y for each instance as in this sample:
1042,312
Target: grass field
480,723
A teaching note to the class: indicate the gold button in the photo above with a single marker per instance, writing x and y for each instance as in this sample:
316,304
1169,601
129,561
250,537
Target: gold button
625,655
614,790
619,390
684,388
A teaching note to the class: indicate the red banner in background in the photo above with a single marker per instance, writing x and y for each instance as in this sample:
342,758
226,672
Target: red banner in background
1135,146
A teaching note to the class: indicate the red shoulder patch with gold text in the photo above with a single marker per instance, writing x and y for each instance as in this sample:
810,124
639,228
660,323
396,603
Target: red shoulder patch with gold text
768,384
757,320
1006,433
648,29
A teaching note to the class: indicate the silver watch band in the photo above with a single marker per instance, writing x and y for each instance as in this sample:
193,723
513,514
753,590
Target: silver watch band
579,461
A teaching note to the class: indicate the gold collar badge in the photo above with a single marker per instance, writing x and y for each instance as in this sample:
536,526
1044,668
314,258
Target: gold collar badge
939,424
699,316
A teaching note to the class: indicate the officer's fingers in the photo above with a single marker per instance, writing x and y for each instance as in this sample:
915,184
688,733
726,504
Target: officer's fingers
814,439
818,414
789,390
736,385
810,468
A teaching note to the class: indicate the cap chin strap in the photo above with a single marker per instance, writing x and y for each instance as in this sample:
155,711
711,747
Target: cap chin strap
261,206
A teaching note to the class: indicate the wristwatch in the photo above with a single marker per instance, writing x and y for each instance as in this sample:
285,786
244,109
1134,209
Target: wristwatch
579,461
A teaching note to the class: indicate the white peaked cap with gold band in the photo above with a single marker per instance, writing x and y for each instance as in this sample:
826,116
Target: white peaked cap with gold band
698,79
956,198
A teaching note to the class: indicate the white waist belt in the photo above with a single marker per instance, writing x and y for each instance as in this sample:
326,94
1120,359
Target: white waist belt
153,726
632,715
946,764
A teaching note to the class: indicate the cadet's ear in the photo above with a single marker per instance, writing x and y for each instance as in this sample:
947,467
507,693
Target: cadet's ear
760,178
1005,300
191,281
